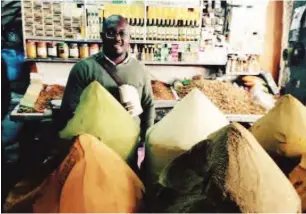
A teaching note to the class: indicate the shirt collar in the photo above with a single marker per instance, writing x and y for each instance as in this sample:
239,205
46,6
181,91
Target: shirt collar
126,60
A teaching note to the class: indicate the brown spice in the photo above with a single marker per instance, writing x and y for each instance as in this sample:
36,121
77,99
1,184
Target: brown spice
230,99
48,93
227,172
161,91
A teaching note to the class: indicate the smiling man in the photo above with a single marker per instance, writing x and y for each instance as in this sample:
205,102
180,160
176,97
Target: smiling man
115,37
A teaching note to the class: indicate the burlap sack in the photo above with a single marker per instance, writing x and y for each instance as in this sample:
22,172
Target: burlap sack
228,172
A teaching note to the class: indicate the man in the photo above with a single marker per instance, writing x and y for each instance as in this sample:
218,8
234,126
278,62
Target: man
5,90
115,38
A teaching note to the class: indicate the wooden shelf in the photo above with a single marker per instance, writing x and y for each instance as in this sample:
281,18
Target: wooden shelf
170,42
75,40
173,5
243,74
59,60
56,60
165,103
183,63
100,41
243,118
111,2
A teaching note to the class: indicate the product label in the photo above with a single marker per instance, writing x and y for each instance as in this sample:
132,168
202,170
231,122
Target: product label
132,32
52,52
41,52
63,50
93,51
74,52
148,32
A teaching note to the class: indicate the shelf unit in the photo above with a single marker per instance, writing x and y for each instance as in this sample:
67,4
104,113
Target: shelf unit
144,3
174,5
76,40
243,74
53,60
59,60
243,118
183,63
100,41
168,42
15,116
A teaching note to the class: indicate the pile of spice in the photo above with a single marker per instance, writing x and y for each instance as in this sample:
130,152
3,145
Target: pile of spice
230,99
218,174
161,91
48,93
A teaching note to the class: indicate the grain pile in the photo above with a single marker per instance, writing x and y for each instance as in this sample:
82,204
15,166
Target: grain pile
161,91
228,98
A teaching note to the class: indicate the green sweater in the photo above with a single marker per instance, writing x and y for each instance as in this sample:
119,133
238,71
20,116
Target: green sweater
131,72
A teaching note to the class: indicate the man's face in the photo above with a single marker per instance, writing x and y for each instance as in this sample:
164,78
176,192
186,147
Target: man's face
116,39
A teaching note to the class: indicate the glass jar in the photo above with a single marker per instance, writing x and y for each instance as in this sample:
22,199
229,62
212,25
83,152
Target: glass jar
42,49
229,65
74,50
234,64
94,48
84,51
63,50
52,51
31,49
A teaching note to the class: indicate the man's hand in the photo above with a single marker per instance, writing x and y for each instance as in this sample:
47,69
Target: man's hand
298,180
129,107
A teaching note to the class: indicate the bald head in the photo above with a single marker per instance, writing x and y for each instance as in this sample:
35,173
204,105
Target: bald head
115,36
113,21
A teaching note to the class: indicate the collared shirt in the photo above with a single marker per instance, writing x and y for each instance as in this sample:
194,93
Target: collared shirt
126,60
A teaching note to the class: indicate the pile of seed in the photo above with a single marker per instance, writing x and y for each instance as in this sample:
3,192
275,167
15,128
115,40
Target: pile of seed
229,99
